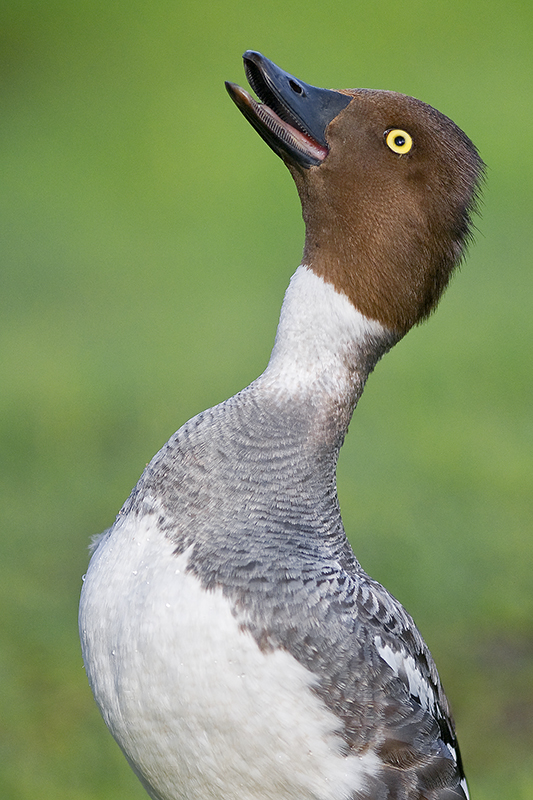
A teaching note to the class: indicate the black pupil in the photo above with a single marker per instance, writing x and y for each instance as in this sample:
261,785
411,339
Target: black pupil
399,141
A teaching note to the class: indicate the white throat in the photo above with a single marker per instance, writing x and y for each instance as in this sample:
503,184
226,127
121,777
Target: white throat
319,336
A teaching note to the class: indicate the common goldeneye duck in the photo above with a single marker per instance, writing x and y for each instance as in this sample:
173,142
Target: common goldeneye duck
235,646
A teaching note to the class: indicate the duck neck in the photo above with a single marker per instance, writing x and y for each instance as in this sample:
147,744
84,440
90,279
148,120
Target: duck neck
324,351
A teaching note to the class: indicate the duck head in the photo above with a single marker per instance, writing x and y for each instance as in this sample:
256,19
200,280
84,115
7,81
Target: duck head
387,185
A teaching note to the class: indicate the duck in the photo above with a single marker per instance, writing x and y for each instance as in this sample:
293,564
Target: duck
235,646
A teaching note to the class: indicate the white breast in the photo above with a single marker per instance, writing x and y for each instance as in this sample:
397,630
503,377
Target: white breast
198,708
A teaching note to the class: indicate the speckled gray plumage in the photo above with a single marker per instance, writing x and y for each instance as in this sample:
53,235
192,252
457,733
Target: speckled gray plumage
249,487
227,582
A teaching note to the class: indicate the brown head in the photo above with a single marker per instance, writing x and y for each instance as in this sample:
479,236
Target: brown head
387,186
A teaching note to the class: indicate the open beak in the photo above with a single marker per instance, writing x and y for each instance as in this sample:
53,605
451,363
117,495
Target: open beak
293,116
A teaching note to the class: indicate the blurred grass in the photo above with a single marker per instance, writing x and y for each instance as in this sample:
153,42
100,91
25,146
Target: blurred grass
147,236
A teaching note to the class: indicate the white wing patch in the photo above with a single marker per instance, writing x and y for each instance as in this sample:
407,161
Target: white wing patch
452,751
405,667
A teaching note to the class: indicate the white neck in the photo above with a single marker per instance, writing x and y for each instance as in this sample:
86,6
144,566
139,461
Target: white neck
319,341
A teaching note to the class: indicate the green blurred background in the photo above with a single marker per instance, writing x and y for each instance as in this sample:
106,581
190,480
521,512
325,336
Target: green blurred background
147,238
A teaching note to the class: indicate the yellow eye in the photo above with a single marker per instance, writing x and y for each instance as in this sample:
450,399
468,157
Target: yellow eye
398,141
